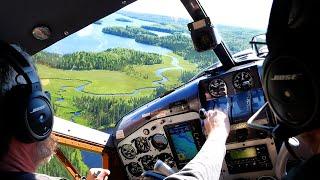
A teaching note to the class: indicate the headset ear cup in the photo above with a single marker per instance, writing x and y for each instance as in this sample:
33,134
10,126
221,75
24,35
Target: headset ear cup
30,117
292,92
39,121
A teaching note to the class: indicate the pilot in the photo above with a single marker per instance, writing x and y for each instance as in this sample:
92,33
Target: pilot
20,155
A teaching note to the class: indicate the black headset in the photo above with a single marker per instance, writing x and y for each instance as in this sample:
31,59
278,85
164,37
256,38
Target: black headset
291,79
27,109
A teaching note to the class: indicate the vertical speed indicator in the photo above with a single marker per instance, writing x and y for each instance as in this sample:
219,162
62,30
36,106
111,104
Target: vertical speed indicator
217,88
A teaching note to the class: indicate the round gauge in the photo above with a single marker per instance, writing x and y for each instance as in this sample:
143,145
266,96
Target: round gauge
141,144
128,151
217,88
166,158
159,141
147,162
243,81
135,169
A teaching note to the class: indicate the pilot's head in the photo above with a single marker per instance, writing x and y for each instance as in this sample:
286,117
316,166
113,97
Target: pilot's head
291,77
25,112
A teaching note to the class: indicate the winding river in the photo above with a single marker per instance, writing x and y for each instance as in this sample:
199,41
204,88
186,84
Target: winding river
159,73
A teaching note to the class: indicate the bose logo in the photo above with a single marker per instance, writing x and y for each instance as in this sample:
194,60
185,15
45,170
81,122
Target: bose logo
289,77
38,109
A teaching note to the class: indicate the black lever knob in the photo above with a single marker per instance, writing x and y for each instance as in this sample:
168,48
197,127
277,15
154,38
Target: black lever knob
203,114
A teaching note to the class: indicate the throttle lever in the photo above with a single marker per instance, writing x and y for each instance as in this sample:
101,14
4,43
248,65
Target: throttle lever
203,117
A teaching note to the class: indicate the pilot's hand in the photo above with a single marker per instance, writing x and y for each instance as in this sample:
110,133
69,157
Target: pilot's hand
98,174
217,125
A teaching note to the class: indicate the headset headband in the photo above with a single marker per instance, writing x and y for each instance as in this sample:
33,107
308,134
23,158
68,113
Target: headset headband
21,65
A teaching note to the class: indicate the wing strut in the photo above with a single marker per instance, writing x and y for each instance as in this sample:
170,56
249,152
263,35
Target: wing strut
67,164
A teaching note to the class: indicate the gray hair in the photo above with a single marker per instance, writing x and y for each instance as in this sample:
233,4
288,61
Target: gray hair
8,74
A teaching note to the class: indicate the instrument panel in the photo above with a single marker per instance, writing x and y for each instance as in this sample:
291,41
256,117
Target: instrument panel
229,84
162,139
237,93
158,135
250,153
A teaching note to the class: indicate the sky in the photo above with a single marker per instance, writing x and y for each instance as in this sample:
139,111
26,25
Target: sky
243,13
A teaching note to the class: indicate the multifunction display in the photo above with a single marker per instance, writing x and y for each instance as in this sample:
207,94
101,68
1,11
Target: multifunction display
185,140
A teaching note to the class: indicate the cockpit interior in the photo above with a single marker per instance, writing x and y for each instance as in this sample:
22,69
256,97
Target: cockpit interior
256,89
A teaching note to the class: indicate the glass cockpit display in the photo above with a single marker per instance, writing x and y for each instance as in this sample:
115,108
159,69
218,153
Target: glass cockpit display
185,140
240,106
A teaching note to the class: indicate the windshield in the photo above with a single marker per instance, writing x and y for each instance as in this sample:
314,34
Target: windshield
122,61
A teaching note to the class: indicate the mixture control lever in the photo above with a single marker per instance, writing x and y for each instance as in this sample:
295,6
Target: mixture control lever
163,168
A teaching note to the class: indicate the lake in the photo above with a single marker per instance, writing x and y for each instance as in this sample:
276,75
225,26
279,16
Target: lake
92,39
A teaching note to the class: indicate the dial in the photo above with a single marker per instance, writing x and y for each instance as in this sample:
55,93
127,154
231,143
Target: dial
142,144
159,141
166,158
147,162
135,169
217,88
243,81
128,151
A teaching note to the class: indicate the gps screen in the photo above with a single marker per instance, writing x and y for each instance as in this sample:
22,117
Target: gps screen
183,142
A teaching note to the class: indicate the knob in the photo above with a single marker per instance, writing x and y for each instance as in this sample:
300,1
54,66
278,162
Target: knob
202,114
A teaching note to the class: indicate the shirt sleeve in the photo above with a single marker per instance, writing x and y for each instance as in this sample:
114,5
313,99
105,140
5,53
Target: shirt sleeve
206,165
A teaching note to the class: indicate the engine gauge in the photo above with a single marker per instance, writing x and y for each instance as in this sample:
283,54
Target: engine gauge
142,144
166,158
159,141
135,169
217,88
128,151
243,81
147,162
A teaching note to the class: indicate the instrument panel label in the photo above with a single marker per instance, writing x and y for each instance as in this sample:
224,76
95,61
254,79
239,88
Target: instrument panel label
120,134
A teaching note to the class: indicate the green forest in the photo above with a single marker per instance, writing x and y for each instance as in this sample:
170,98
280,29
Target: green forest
111,59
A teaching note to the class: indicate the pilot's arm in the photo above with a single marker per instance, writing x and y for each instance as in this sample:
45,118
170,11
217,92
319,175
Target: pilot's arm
206,165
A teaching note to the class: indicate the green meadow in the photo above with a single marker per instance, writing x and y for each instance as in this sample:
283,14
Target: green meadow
65,85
